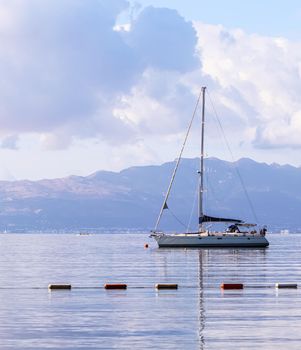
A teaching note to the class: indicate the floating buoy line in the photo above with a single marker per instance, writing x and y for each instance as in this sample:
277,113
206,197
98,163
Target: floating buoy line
167,286
158,286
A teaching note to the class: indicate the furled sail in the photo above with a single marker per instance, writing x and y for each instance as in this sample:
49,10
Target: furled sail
206,218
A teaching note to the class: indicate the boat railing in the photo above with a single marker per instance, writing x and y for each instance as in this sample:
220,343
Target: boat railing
235,234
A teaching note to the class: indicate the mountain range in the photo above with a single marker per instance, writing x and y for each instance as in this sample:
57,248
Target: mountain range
131,198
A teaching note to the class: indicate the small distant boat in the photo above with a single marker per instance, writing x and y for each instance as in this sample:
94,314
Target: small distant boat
238,233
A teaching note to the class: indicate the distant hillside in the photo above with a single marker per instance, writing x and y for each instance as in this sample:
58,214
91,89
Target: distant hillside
132,198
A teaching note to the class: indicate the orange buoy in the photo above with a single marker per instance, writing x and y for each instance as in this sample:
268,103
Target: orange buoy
166,286
59,286
232,286
146,245
115,286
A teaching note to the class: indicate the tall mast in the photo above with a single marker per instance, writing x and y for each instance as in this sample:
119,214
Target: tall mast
201,172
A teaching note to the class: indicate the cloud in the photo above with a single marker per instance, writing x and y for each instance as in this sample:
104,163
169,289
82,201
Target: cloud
10,142
57,57
69,71
65,69
58,141
258,82
164,40
161,103
72,75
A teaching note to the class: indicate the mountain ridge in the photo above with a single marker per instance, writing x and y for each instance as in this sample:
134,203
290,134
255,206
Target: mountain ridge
132,197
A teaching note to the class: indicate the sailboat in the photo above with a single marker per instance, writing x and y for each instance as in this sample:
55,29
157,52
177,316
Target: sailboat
238,233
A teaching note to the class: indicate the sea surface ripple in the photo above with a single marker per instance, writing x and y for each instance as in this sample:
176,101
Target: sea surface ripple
199,315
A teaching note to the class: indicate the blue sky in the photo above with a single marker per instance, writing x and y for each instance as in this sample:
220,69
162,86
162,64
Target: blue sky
266,17
95,84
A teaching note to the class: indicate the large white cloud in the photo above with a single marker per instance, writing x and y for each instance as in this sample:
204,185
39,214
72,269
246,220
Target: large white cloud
259,83
255,82
65,71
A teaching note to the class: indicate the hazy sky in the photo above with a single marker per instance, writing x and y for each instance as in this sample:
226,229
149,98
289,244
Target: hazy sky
87,85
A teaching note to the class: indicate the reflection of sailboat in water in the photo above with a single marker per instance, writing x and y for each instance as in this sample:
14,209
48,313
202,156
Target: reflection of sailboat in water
238,234
201,301
213,268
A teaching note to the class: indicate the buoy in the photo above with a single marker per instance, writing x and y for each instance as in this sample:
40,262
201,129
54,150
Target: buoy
115,286
145,245
59,286
166,286
286,285
232,286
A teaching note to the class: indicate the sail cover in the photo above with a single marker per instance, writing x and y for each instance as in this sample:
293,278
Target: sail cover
206,218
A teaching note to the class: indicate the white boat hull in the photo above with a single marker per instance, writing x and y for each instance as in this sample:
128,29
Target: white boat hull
217,241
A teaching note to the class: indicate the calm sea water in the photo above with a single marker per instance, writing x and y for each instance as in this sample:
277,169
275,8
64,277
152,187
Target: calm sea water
196,316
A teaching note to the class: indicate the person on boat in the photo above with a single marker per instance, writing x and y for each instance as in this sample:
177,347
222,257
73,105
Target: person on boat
263,231
233,228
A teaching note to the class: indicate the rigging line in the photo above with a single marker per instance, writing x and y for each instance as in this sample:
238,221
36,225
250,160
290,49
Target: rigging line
235,167
193,206
179,221
164,205
210,191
